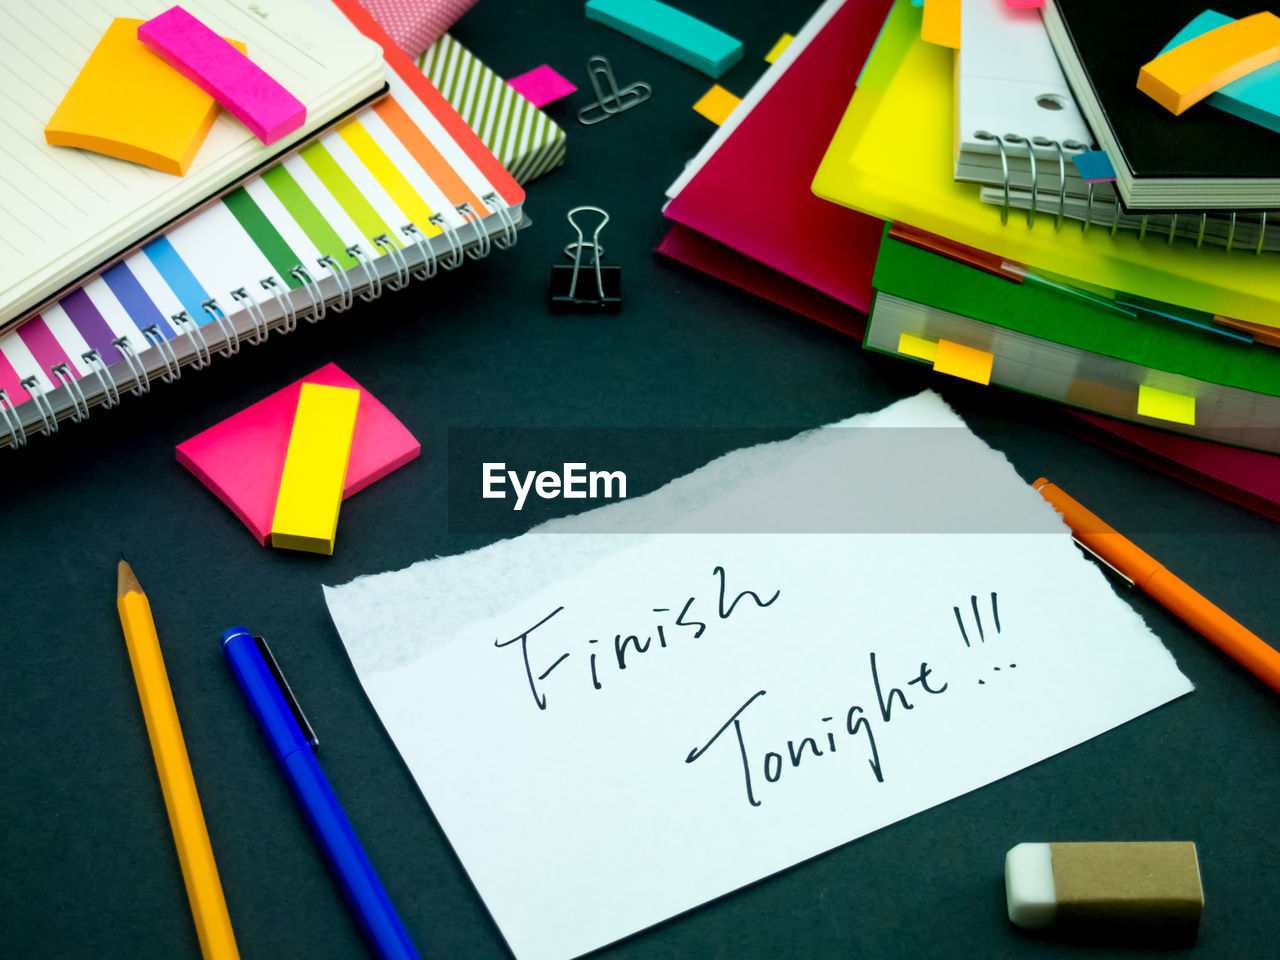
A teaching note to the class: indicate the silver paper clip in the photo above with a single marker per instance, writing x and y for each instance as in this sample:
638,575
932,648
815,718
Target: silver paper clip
610,101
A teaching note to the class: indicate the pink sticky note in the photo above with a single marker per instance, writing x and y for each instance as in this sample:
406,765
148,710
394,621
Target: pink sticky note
240,459
220,70
541,85
1024,3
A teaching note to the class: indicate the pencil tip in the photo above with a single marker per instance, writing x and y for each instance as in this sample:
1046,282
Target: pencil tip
125,579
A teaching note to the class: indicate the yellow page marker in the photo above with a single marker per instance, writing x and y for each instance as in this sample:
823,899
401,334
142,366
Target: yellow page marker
918,347
716,104
315,468
941,23
775,51
1191,71
128,103
965,362
1166,405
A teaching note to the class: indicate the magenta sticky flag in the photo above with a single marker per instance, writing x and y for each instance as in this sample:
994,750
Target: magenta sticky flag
1024,3
541,85
240,459
243,88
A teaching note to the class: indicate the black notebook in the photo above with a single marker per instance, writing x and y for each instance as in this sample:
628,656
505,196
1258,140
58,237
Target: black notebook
1204,159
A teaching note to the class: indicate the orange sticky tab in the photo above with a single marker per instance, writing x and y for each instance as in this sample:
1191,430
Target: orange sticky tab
1166,405
941,23
912,346
716,104
1191,71
964,362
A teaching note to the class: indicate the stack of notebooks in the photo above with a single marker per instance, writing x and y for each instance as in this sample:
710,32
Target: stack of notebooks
145,274
935,187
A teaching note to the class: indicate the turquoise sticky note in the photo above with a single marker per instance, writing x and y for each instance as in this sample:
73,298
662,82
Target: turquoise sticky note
671,31
1094,166
1255,96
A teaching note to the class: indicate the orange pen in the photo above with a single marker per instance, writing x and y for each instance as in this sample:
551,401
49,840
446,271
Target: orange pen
1243,646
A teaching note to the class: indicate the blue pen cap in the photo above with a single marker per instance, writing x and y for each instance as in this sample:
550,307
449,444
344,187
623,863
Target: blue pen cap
262,690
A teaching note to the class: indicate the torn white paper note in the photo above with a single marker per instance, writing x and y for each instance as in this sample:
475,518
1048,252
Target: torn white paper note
756,698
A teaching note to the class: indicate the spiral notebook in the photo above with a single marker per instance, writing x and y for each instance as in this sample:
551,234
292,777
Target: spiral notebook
403,190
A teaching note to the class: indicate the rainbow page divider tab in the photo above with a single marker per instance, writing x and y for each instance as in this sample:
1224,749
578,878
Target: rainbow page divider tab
315,467
670,31
912,346
1166,405
776,50
246,90
967,363
130,104
1191,71
941,23
716,104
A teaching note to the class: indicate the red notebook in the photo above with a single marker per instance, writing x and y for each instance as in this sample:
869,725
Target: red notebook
752,193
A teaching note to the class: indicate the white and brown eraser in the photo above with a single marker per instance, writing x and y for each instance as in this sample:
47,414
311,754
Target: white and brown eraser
1106,888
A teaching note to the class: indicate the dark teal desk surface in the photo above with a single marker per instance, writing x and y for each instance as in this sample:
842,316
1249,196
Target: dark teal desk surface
89,868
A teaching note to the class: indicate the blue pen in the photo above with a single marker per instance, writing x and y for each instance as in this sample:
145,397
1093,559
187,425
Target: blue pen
283,724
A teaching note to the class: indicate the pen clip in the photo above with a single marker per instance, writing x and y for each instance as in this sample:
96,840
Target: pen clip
285,691
1128,581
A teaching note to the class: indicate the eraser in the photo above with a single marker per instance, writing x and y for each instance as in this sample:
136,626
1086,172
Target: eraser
1106,890
216,67
315,468
671,31
1191,71
541,85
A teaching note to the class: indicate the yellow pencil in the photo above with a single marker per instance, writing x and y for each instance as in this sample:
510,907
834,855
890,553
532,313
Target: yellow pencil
199,872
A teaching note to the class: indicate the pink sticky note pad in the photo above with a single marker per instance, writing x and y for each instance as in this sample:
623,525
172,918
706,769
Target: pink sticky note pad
220,70
240,459
1024,3
541,85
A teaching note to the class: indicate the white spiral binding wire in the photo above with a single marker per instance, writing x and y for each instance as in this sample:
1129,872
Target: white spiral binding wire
476,243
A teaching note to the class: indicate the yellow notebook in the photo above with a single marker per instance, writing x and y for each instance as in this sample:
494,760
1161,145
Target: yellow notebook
892,158
127,102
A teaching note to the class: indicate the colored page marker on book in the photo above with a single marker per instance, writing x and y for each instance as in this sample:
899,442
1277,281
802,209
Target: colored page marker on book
775,51
229,76
1166,405
315,467
670,31
541,85
1191,71
1023,3
912,346
941,23
1255,96
716,104
130,104
1094,166
967,363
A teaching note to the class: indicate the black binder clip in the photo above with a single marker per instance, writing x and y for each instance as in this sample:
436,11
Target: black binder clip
589,287
610,101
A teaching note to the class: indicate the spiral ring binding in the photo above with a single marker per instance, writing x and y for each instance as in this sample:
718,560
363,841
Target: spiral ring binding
184,322
110,390
63,373
173,369
288,315
499,208
142,382
429,259
312,288
1173,226
214,310
451,236
481,248
1062,179
388,246
1200,231
373,280
250,303
18,436
1262,232
1004,170
346,293
1035,186
49,419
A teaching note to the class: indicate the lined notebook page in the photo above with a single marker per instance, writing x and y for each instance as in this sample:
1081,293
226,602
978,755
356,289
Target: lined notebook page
63,211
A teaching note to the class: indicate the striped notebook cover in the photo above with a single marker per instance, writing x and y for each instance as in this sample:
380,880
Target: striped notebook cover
402,190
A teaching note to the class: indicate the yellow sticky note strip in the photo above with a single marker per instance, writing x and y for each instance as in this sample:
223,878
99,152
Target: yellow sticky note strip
940,23
1166,405
1191,71
775,51
315,468
716,104
129,103
967,363
918,347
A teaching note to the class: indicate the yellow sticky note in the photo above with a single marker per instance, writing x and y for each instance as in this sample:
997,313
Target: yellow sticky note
965,362
716,104
775,51
1191,71
315,468
940,23
918,347
1166,405
129,103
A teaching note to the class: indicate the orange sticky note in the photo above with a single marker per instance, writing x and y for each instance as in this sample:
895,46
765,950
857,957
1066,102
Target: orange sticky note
1166,405
967,363
716,104
941,23
1191,71
128,103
